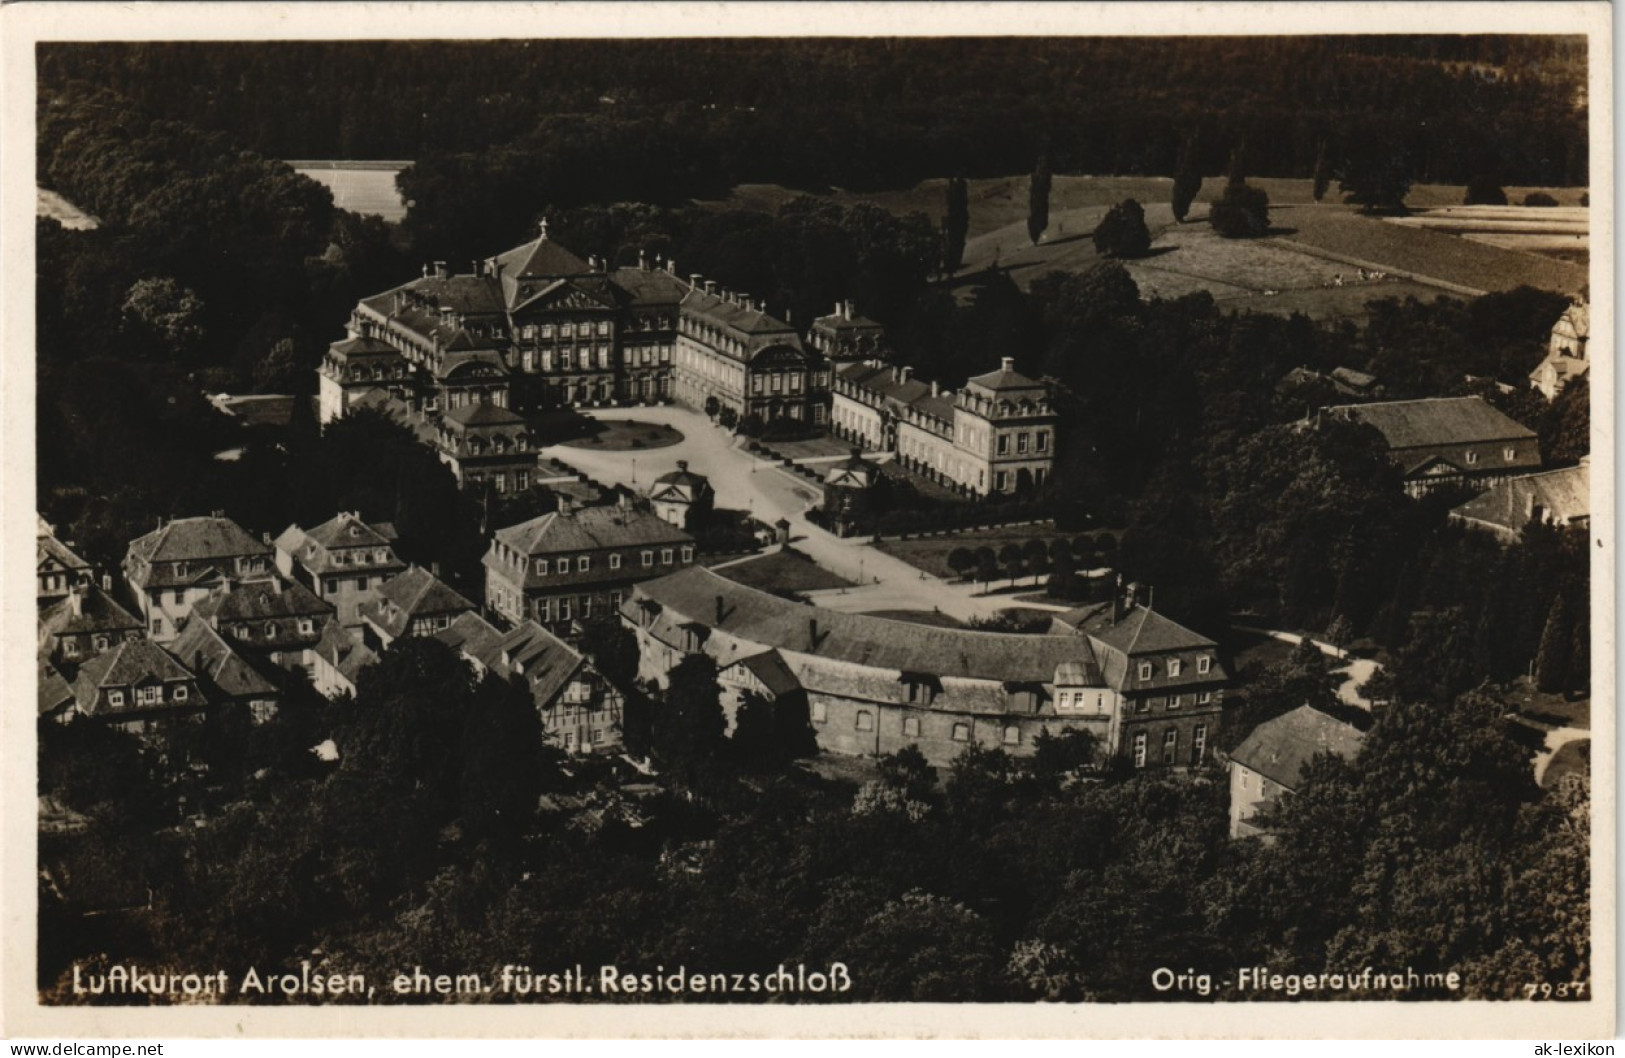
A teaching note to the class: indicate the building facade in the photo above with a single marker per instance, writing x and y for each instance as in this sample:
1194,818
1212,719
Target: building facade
1269,763
344,561
996,435
181,563
56,568
1440,441
1567,355
1553,497
874,686
579,563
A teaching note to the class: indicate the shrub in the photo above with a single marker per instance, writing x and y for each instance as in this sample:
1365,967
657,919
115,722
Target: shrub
1539,198
1482,191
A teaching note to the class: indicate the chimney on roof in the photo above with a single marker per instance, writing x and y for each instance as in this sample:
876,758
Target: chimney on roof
789,316
473,268
846,310
1117,600
837,312
76,600
265,537
908,373
682,464
720,609
425,270
710,286
107,582
566,504
694,280
440,269
542,236
643,260
1007,363
812,635
935,387
434,569
671,265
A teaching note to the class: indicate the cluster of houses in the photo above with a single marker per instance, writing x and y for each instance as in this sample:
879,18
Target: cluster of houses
463,357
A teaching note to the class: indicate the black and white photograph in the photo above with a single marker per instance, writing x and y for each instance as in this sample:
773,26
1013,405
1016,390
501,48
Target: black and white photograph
621,516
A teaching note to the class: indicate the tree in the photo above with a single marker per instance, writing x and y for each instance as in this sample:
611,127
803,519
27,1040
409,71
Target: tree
168,314
962,561
1539,198
1242,211
1122,231
1556,647
1187,180
1038,198
987,565
689,722
1375,174
956,225
1322,171
712,406
503,762
728,418
613,649
1011,558
1484,191
769,734
1036,555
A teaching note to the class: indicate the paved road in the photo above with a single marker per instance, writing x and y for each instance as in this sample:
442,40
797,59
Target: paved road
1355,670
743,482
1556,739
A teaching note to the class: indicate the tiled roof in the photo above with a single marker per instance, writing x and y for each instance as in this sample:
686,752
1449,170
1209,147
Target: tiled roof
131,661
50,549
357,348
940,406
54,692
1436,421
474,636
413,593
263,600
482,414
1564,495
222,672
740,318
542,660
542,258
692,595
97,613
197,539
885,382
770,668
650,287
590,529
837,322
1278,749
348,530
1004,379
344,649
1144,631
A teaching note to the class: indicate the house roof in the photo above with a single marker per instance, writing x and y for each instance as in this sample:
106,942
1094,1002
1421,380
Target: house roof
769,666
344,649
885,382
54,692
938,406
1004,378
1508,505
416,591
649,287
97,613
1142,633
354,348
482,414
1436,421
590,529
540,258
197,539
132,661
346,529
263,600
544,661
50,549
473,636
223,672
742,318
693,595
1279,749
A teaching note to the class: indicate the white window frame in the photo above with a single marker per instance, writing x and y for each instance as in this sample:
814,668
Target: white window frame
115,699
665,556
1170,745
1204,665
180,692
615,561
961,732
648,559
1145,670
1139,749
688,553
1012,735
865,720
583,563
819,712
1174,666
911,727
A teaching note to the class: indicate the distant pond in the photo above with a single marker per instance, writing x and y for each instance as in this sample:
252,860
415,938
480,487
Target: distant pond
360,187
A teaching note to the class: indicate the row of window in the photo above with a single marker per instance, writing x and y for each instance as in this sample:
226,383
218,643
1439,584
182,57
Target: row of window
566,330
1040,442
1508,453
306,626
151,694
564,607
100,642
1170,745
592,737
355,557
1175,666
583,563
864,720
1173,701
567,358
776,382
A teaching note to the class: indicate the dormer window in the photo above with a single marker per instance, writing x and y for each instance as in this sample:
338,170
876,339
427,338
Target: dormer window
1174,666
1471,457
1204,665
270,630
541,567
115,699
583,564
1145,670
180,569
615,561
1509,453
180,692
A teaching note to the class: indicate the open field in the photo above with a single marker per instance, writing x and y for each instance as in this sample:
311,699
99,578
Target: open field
360,187
783,571
623,435
919,617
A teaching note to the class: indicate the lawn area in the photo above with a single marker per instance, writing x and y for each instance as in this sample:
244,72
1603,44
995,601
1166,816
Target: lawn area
816,448
624,435
931,553
919,617
787,570
1550,710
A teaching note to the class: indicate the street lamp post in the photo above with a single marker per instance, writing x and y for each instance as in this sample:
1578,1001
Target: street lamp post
634,471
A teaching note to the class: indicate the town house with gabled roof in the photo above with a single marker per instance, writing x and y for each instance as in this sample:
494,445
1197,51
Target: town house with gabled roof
486,444
1269,763
874,686
1168,681
414,602
276,619
56,567
1552,497
136,685
84,624
224,676
182,562
344,561
579,709
579,562
681,496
